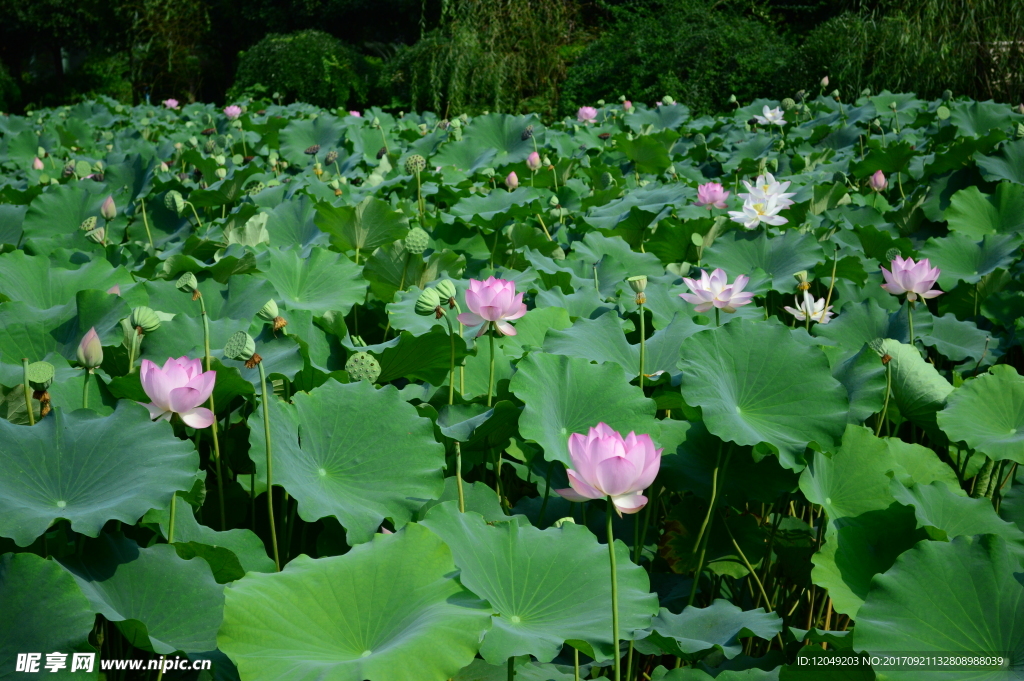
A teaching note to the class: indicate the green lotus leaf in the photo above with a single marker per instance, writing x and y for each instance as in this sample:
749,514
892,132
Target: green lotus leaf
532,329
825,669
292,223
160,602
1005,164
502,133
325,131
88,469
918,390
977,118
780,257
565,395
698,674
696,632
615,262
982,612
494,207
389,610
755,383
525,670
43,284
478,496
352,452
655,201
987,414
976,215
863,376
240,298
959,339
649,153
42,610
862,322
59,211
427,357
949,515
546,586
363,227
323,281
961,258
859,547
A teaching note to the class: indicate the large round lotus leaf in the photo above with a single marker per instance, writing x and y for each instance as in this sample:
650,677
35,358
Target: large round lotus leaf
525,670
389,610
755,384
780,257
59,211
160,602
988,414
852,481
863,376
962,597
958,339
241,298
546,586
28,332
566,395
89,470
320,282
859,547
36,281
41,610
960,258
325,131
353,452
918,389
975,214
362,227
500,135
696,632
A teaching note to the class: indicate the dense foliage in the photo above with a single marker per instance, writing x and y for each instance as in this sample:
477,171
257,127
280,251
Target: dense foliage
346,480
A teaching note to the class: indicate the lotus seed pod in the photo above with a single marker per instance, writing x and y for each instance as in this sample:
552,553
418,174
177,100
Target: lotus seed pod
98,235
527,133
801,280
1019,134
221,172
40,375
187,283
331,157
700,139
268,311
240,347
788,104
446,289
88,224
210,146
947,95
428,302
877,346
174,201
83,168
558,253
255,188
381,152
667,101
892,254
363,367
145,318
637,283
69,169
415,164
606,180
422,127
312,150
417,240
732,99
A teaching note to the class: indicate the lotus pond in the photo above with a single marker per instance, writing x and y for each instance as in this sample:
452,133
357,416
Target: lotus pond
338,396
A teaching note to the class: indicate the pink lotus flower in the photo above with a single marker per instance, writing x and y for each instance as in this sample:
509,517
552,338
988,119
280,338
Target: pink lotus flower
586,114
355,113
90,350
715,291
627,105
171,103
232,112
178,388
711,195
913,278
114,290
512,181
109,209
37,163
878,181
493,301
533,161
657,104
605,464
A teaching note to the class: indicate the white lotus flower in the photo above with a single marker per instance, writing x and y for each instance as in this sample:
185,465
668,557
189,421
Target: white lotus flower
755,211
766,186
813,308
770,117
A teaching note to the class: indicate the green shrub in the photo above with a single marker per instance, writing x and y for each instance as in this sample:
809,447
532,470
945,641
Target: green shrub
308,66
688,49
10,94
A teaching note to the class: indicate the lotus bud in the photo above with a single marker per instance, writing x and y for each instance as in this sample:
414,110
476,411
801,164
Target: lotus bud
331,157
174,201
866,92
363,367
144,320
37,163
824,82
40,374
835,95
429,303
1020,108
512,181
788,104
947,95
878,181
88,224
415,164
90,350
221,172
114,290
187,283
533,161
242,347
98,235
667,101
732,99
546,161
447,291
164,167
892,254
1019,133
801,280
417,240
627,106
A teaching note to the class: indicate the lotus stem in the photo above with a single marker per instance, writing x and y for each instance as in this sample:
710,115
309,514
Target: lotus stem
705,532
451,400
270,486
145,222
213,426
643,344
490,376
910,316
511,668
885,405
547,491
85,389
615,590
718,317
28,392
170,520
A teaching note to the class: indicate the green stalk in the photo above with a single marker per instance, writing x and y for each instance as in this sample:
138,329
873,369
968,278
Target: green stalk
145,221
451,373
195,213
491,375
458,476
643,345
511,668
615,590
718,320
706,527
85,389
270,485
547,490
213,426
170,521
885,405
419,196
910,316
451,400
28,392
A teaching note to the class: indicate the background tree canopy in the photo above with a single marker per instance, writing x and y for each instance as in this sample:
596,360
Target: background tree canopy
547,56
